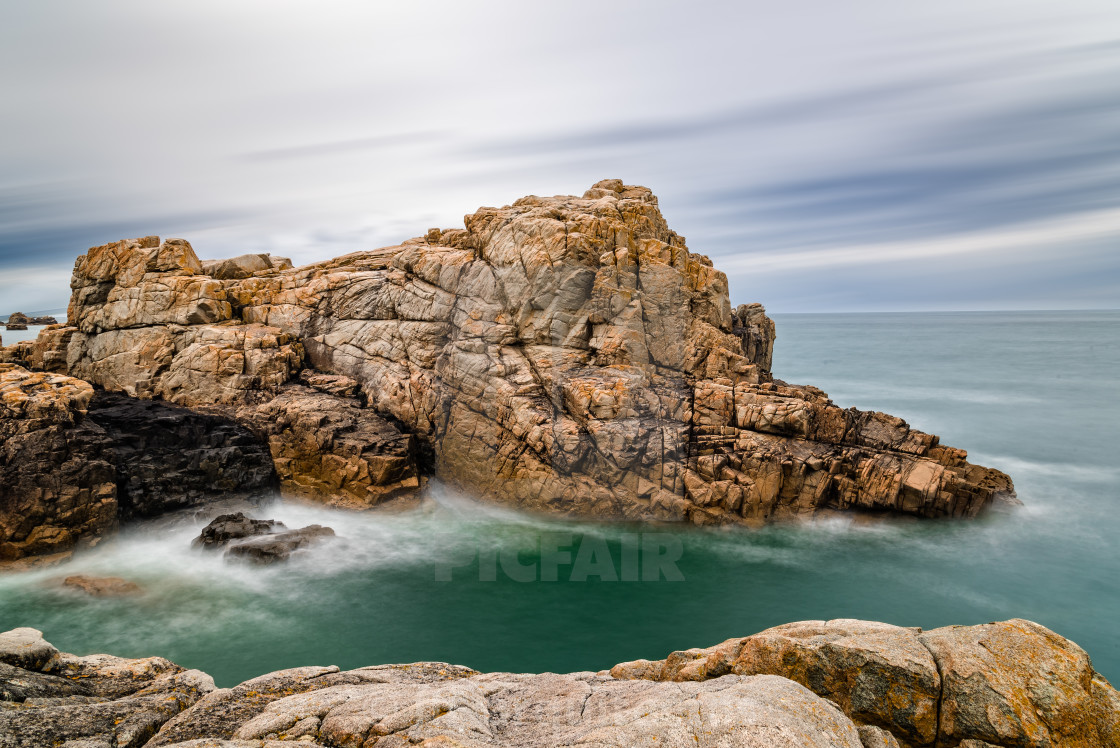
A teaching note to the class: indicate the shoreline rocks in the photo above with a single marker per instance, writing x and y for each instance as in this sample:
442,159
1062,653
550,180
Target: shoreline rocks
856,684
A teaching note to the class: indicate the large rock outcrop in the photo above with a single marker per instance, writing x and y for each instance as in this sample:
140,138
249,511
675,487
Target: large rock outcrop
564,354
836,684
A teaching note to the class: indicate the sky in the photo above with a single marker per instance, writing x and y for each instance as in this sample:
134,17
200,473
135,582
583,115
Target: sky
829,157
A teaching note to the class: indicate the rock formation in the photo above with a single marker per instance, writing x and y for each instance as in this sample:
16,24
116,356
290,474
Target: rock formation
835,684
566,354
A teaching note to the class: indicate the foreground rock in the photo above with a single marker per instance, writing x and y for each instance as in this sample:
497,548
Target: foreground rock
97,700
1005,684
262,541
74,461
566,354
1013,683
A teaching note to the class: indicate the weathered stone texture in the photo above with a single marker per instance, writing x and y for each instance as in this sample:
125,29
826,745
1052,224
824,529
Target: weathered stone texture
1012,683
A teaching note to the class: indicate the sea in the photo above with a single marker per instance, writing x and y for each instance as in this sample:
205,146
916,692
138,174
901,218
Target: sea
1036,394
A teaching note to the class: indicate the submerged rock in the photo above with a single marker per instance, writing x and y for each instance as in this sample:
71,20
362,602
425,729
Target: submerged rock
567,354
860,677
102,586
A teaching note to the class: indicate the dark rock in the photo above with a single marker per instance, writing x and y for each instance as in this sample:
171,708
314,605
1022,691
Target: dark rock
169,457
229,527
16,326
268,549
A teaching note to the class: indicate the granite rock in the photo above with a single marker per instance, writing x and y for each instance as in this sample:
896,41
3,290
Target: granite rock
1012,683
566,354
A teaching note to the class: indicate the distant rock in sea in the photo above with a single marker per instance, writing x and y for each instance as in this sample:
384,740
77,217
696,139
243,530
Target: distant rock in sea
813,684
561,354
19,318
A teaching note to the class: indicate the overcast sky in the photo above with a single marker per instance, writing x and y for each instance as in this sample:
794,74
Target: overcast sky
829,156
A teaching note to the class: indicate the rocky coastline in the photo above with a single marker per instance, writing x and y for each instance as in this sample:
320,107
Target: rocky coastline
566,355
832,684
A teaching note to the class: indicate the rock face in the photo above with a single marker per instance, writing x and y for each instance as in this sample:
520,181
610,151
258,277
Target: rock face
1006,684
74,462
566,354
169,457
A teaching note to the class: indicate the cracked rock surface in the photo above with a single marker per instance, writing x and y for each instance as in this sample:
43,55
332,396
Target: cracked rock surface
566,354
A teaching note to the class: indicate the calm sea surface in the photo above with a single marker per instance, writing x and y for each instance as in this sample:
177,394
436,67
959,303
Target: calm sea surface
1036,394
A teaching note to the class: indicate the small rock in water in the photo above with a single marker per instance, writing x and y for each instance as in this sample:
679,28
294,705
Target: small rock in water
268,549
102,586
263,541
227,527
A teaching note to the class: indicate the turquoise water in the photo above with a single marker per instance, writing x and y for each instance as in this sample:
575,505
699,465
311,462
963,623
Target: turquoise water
1034,393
